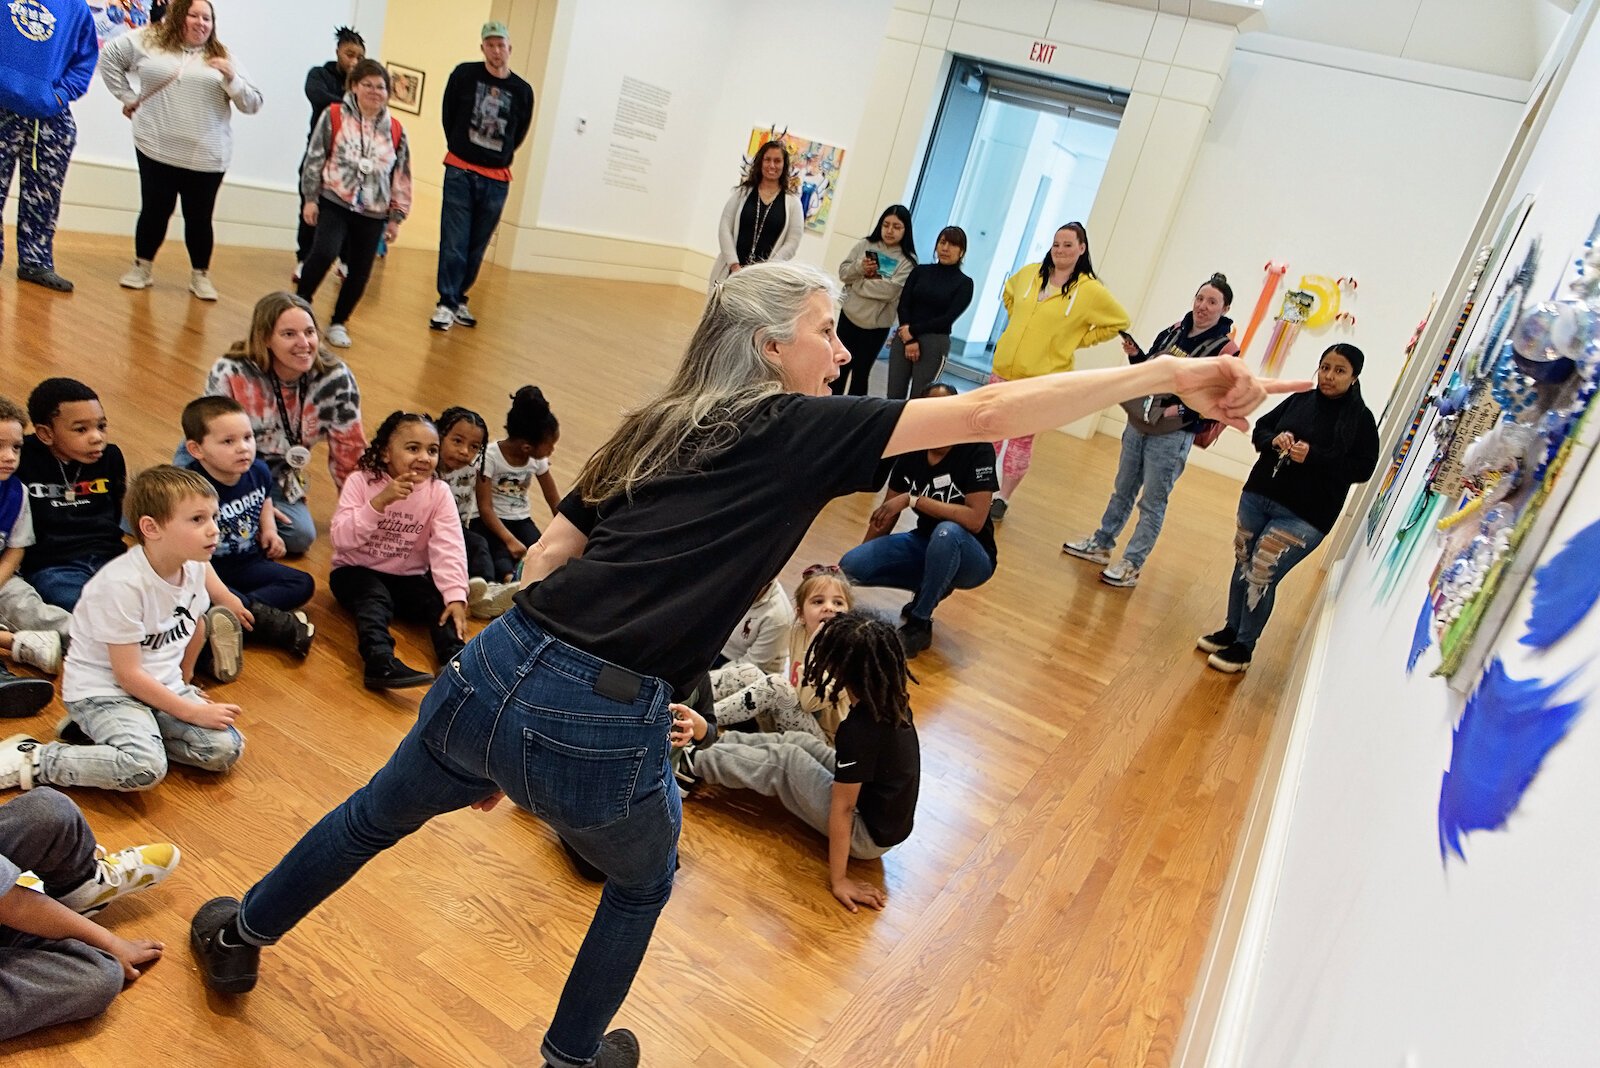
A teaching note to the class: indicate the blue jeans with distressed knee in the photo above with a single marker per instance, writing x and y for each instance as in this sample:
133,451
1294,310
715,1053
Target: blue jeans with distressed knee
1270,541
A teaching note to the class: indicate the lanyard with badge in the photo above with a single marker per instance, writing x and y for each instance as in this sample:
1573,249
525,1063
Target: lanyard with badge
298,457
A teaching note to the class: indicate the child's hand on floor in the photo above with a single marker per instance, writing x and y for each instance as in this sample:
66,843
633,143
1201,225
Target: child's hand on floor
456,613
851,894
132,954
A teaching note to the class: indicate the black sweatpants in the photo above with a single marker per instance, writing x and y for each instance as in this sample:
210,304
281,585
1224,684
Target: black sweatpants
376,597
356,236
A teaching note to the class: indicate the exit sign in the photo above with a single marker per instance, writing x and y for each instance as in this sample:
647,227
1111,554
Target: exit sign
1042,52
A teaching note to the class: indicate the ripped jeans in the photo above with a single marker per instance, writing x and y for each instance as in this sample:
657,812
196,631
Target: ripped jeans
1270,540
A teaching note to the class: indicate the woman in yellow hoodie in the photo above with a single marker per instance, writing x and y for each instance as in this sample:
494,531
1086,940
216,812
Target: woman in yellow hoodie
1056,308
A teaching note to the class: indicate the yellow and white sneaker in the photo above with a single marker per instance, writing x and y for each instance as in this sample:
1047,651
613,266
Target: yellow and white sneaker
116,875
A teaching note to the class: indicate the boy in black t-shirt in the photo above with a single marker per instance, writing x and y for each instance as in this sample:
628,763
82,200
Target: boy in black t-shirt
863,795
75,481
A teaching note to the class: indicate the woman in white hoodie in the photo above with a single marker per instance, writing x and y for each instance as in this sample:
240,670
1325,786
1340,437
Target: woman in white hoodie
180,86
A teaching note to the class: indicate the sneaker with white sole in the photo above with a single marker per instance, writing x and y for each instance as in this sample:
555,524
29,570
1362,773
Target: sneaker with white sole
225,641
1217,640
141,275
339,336
1232,660
444,317
465,317
19,755
115,875
1087,549
341,270
22,695
200,285
1121,574
37,648
495,600
299,269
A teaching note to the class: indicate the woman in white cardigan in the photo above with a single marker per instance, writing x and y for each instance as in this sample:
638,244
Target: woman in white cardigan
763,220
180,87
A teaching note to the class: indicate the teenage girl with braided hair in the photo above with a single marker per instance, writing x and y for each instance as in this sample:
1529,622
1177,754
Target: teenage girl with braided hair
863,793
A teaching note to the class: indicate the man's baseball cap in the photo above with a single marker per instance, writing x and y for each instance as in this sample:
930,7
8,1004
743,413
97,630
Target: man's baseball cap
495,29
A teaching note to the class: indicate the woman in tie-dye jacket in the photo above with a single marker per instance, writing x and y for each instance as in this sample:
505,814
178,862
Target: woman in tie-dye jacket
296,394
356,186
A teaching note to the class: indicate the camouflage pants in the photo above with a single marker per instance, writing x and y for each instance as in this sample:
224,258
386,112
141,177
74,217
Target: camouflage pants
42,148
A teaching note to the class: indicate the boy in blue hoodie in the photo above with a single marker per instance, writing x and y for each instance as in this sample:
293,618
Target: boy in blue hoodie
50,49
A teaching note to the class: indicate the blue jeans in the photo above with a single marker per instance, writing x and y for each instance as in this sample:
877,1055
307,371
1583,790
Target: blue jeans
62,584
933,566
521,711
253,577
134,745
1153,463
471,211
1270,540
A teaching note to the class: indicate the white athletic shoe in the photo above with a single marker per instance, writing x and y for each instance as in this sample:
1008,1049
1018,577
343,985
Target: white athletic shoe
338,336
200,285
141,275
115,875
444,317
37,648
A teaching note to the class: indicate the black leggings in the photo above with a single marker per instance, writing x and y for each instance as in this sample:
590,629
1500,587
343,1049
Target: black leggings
864,343
160,187
505,565
356,236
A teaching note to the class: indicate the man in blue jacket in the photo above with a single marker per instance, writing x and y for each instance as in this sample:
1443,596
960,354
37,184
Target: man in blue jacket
50,51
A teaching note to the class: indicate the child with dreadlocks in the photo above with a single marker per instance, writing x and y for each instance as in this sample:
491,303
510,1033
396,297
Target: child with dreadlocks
397,550
863,794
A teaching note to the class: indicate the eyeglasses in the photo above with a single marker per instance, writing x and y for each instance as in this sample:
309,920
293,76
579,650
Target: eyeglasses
821,569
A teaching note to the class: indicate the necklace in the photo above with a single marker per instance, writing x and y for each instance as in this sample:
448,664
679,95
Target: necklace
72,483
763,209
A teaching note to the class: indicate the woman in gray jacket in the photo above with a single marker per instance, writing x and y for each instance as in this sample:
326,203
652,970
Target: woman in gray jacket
873,274
763,220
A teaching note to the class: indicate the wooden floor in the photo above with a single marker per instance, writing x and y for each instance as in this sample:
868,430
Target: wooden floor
1084,772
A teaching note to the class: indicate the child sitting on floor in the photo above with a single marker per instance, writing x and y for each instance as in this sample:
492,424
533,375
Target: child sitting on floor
863,795
397,551
32,630
136,634
510,467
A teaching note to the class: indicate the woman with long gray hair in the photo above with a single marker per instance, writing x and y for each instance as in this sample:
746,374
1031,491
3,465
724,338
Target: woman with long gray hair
565,702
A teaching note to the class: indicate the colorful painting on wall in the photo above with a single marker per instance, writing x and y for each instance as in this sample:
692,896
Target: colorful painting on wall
813,171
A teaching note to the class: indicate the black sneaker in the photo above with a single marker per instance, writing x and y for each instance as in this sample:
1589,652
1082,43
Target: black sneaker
69,733
464,317
905,611
228,963
21,696
1234,659
916,635
683,768
286,630
1216,641
997,509
391,673
619,1049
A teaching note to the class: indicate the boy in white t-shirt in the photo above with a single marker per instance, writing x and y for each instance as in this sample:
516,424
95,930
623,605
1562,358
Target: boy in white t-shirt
136,633
30,630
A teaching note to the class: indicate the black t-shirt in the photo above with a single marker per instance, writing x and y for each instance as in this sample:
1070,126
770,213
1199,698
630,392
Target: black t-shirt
887,761
666,575
76,508
964,469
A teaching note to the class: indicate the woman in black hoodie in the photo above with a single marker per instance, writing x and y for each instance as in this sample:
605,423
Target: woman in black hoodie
325,84
1314,447
934,297
1156,442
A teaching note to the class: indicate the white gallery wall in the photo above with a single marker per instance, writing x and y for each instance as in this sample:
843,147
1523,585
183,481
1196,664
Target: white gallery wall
1373,951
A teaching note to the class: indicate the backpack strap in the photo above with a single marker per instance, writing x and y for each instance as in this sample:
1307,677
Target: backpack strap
394,132
335,113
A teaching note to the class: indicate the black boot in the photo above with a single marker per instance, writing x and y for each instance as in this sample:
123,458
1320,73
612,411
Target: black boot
285,630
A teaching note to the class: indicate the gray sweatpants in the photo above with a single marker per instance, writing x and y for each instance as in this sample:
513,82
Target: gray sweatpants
45,982
794,767
21,609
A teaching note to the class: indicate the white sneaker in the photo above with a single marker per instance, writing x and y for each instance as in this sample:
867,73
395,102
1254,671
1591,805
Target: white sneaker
200,285
140,276
1086,549
17,756
495,600
444,317
115,875
225,638
299,269
1121,574
338,336
37,648
465,317
340,269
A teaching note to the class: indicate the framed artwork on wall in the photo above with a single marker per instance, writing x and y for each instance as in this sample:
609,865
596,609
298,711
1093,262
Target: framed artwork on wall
405,88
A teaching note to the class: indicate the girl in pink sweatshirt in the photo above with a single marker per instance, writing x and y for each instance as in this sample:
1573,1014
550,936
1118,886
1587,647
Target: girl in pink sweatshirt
397,550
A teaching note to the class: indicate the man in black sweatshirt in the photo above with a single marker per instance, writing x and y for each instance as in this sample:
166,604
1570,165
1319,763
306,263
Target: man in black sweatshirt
325,84
487,113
